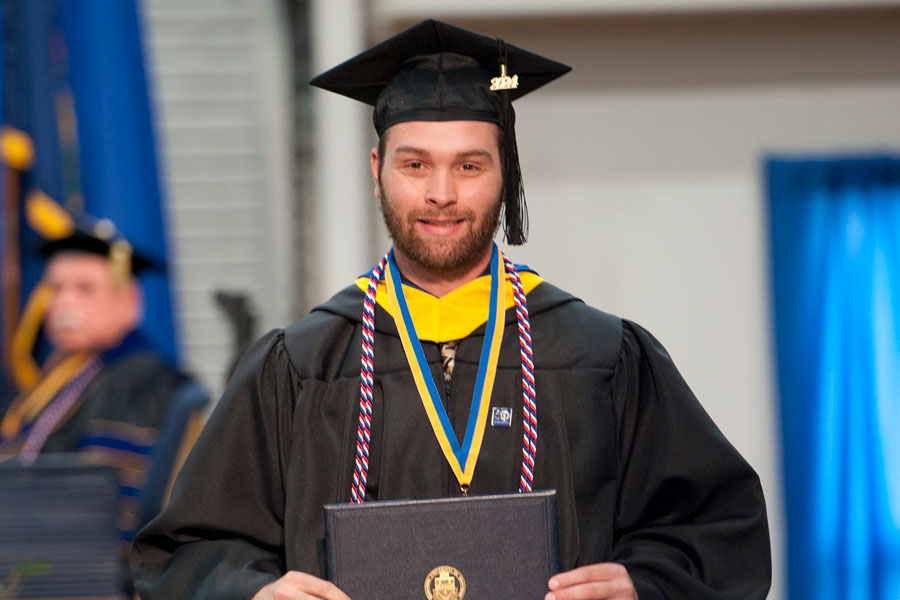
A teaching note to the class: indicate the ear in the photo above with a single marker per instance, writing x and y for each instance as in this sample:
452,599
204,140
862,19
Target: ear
373,160
135,300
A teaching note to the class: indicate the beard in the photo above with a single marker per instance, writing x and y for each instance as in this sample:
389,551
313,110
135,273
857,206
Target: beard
449,256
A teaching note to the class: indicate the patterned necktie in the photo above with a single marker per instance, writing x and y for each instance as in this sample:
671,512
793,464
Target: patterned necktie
448,354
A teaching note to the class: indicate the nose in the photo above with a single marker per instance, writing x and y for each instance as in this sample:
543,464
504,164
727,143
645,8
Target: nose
62,296
441,191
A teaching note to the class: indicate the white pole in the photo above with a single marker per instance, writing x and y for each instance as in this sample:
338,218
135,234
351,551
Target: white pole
343,199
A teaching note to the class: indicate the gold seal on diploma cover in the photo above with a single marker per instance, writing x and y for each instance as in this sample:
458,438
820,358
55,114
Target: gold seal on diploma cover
445,583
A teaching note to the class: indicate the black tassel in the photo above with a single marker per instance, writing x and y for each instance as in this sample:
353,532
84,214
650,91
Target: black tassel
515,210
515,225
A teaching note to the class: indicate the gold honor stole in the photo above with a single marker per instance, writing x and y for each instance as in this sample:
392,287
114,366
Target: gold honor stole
462,459
28,406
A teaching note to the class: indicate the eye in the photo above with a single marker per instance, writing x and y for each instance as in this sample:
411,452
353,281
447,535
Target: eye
413,166
470,167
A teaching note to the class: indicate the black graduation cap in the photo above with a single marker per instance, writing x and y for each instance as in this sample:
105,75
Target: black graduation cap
438,72
101,237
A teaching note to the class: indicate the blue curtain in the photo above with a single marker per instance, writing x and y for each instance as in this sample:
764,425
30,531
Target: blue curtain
835,228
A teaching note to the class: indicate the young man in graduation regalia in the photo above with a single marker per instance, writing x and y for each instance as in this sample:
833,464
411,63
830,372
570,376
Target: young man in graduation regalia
653,501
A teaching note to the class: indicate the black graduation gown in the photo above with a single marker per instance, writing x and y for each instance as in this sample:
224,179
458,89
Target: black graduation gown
643,476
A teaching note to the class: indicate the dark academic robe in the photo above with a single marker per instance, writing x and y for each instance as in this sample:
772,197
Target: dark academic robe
122,407
116,421
643,476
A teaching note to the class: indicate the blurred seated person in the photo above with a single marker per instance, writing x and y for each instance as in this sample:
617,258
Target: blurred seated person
103,393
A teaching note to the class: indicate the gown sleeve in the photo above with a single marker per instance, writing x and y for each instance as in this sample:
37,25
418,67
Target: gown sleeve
221,535
690,515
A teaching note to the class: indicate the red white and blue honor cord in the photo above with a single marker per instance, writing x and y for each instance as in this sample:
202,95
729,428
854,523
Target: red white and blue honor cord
462,459
529,400
366,381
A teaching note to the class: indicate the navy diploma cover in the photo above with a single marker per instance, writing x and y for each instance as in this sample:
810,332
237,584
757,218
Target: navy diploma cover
478,547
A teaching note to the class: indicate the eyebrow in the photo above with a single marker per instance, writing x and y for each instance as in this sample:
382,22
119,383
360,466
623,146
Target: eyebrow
424,153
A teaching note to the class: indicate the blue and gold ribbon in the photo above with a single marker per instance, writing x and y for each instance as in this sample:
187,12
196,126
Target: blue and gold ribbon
462,458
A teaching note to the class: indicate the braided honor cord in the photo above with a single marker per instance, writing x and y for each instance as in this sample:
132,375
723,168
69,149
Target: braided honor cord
529,402
367,370
366,380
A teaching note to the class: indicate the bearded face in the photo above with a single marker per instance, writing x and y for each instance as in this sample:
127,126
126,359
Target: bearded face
449,254
439,184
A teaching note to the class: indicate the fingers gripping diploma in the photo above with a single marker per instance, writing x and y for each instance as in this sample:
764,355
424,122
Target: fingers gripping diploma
602,581
295,585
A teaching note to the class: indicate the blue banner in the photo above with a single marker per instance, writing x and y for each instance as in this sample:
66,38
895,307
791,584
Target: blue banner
119,174
33,78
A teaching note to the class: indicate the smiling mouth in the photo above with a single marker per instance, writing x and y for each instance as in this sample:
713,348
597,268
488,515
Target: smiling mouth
442,222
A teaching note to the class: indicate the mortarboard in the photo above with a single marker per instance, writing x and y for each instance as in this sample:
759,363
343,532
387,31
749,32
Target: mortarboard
438,72
101,237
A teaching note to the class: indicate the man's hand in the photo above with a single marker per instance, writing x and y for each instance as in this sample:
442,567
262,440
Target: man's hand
602,581
295,585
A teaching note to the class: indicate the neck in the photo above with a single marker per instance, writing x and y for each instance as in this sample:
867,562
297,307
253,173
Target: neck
440,282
